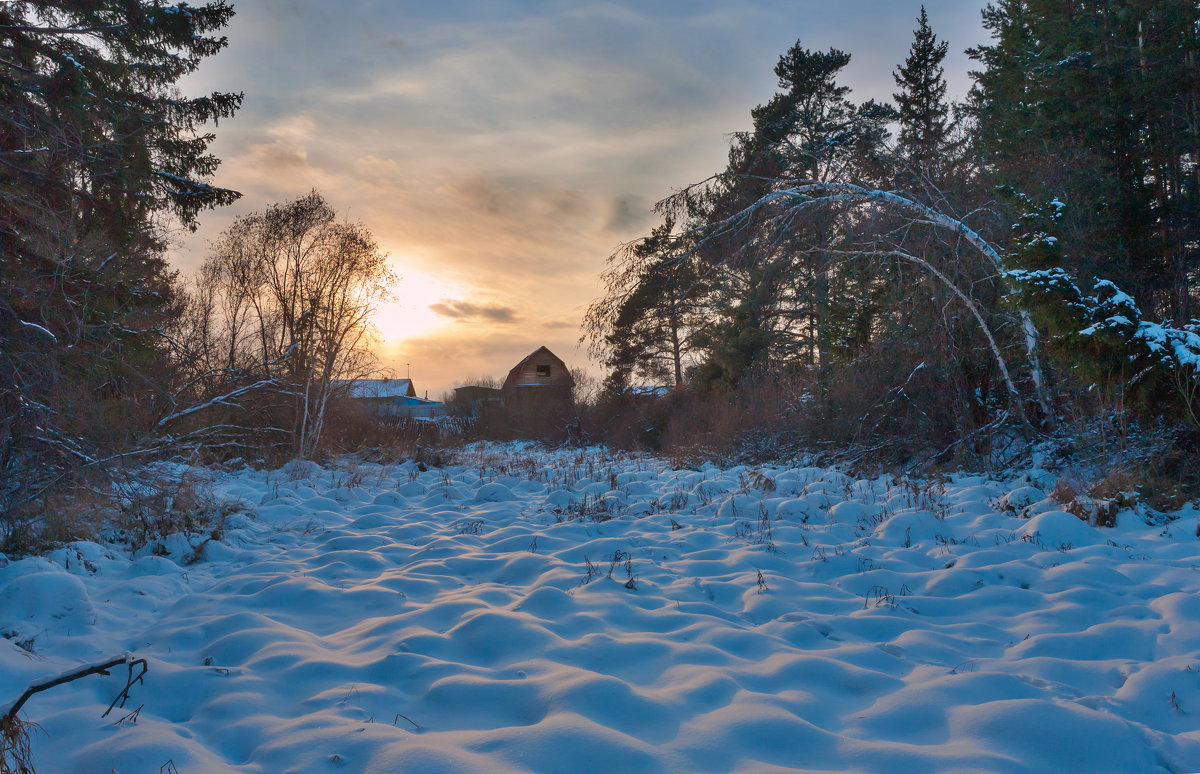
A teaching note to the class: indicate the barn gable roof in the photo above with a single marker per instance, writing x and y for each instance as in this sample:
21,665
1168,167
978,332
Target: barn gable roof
516,379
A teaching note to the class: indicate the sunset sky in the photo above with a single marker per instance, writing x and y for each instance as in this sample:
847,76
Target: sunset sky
500,151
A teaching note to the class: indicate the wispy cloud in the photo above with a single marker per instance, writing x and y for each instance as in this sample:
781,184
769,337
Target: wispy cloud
465,311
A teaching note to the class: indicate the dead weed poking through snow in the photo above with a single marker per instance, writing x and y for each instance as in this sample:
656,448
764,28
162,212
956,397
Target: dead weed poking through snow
15,754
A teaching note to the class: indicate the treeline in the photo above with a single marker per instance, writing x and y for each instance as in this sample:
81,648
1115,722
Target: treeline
924,277
108,359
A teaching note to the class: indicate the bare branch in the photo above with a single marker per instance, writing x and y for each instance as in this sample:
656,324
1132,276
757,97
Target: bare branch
95,668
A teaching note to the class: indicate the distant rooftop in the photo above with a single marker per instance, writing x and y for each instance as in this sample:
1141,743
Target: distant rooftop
378,388
646,390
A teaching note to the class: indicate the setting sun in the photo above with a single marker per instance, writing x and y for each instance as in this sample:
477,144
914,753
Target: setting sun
408,314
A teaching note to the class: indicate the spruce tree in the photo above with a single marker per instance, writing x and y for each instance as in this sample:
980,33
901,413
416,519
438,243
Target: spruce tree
924,114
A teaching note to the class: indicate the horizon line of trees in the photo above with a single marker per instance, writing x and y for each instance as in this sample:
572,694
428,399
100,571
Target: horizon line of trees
916,266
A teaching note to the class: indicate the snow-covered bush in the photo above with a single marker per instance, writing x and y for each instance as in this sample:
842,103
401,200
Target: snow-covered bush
1100,338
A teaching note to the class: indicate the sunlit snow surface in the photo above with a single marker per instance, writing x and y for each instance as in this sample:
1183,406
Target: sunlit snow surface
389,620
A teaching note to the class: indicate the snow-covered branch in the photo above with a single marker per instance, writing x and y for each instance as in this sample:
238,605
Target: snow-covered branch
220,400
35,326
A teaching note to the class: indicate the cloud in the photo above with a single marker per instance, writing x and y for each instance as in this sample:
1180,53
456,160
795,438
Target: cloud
382,37
276,158
629,212
523,200
464,311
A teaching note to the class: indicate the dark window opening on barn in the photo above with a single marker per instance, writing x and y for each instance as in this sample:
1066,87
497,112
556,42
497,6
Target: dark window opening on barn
543,370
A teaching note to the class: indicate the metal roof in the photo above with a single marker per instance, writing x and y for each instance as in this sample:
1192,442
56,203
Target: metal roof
378,388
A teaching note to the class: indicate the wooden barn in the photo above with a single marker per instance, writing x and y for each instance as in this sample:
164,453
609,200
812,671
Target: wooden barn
541,374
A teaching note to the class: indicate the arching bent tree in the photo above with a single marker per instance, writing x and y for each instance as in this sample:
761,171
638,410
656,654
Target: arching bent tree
779,211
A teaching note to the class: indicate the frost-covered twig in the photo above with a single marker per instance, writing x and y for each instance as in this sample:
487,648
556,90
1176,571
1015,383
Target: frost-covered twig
220,400
39,328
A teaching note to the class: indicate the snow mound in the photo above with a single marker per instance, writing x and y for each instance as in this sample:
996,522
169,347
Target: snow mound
741,506
1059,529
47,600
909,527
1017,500
495,493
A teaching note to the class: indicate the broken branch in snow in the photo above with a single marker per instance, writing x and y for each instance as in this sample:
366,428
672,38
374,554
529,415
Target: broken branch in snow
96,668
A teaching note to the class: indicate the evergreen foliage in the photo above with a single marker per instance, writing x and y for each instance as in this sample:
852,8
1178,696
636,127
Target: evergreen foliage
97,151
644,329
1094,102
906,288
776,300
924,141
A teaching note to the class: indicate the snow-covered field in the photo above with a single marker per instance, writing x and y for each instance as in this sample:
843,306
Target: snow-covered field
533,611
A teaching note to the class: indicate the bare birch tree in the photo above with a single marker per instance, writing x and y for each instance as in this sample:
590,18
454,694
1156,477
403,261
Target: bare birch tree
292,291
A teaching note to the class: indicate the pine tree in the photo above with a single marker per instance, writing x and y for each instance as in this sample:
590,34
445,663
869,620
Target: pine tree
777,295
645,327
97,149
810,119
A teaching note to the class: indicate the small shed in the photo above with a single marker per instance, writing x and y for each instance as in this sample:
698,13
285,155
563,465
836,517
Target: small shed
474,398
540,373
378,389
